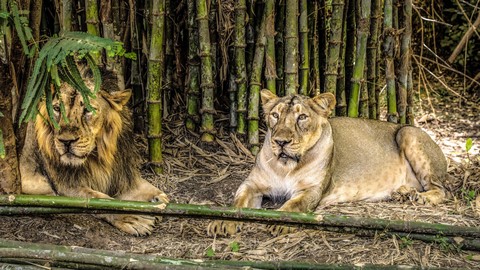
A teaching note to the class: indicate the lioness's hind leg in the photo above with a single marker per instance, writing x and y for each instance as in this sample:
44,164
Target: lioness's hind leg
427,162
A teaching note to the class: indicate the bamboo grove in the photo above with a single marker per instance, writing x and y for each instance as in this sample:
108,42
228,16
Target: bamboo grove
208,59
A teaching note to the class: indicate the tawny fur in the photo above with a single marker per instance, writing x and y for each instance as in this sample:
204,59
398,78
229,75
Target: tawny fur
309,160
91,155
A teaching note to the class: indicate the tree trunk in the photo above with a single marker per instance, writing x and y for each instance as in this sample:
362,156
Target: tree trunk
207,84
357,91
291,47
156,65
304,56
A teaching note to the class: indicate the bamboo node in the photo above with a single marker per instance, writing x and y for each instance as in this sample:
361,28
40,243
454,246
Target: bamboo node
209,111
255,83
154,136
207,85
211,131
241,110
253,118
155,163
205,54
158,101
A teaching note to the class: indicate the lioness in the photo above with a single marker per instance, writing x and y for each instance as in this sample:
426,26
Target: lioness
91,155
308,160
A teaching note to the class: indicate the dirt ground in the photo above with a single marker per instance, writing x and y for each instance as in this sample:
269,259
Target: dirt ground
210,174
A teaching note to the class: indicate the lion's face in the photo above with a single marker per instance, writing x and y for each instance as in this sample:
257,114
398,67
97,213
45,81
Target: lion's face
82,133
295,122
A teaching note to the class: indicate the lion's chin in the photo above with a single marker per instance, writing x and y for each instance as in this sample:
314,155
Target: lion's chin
72,160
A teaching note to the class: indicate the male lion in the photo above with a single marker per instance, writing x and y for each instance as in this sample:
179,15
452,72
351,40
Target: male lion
91,155
308,160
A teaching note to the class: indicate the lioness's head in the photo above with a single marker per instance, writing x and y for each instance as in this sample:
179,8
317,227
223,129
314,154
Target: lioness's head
295,122
82,133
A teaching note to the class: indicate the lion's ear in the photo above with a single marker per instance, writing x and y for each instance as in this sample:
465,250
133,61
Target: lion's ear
326,102
117,99
267,96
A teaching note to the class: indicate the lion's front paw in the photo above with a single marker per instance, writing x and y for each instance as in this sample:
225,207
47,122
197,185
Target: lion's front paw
134,224
160,197
223,228
277,230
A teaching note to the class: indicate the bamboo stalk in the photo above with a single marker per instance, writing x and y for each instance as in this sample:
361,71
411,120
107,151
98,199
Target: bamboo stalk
91,13
280,46
335,41
193,81
138,88
156,65
232,93
388,53
207,84
304,55
270,67
67,15
350,49
357,91
341,107
169,57
243,214
241,69
255,85
58,256
372,58
315,49
404,60
291,47
410,101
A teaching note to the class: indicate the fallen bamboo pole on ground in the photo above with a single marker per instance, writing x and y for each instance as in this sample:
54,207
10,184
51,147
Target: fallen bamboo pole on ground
15,252
26,204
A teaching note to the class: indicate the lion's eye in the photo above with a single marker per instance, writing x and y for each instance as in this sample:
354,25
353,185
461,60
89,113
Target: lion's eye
275,115
56,108
302,117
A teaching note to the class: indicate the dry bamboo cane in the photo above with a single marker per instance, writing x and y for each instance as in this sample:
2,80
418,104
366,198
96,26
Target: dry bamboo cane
310,220
241,68
304,66
193,81
270,67
255,85
372,58
207,83
388,52
291,47
156,65
350,49
335,41
357,91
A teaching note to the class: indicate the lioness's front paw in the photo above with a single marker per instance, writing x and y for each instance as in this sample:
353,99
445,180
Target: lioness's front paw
160,197
134,224
223,228
276,230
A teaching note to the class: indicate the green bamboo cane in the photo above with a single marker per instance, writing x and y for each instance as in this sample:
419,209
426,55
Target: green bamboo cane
67,15
359,67
315,49
341,107
280,46
388,52
243,214
207,84
255,85
156,65
270,67
65,256
335,41
241,69
372,58
91,13
250,34
193,81
291,47
404,61
350,48
304,56
212,26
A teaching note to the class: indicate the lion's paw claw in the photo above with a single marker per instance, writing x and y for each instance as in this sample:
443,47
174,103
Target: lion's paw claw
223,228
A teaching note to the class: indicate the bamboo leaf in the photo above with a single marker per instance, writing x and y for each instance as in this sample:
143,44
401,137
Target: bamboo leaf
50,112
468,144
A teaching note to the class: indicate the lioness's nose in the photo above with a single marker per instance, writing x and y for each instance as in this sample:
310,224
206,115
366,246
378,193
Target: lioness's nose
282,143
68,142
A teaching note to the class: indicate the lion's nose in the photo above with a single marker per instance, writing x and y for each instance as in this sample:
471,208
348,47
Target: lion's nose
68,142
282,143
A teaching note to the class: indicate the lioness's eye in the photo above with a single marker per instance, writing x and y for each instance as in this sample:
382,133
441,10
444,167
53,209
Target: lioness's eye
275,115
302,117
56,108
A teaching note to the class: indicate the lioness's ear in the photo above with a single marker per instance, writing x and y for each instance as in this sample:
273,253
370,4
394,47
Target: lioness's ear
117,99
266,96
326,102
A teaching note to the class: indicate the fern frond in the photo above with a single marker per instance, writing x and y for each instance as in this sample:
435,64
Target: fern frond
49,101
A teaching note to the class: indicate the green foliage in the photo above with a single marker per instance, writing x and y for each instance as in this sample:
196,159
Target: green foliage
210,252
57,62
405,242
468,144
234,246
468,195
19,19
